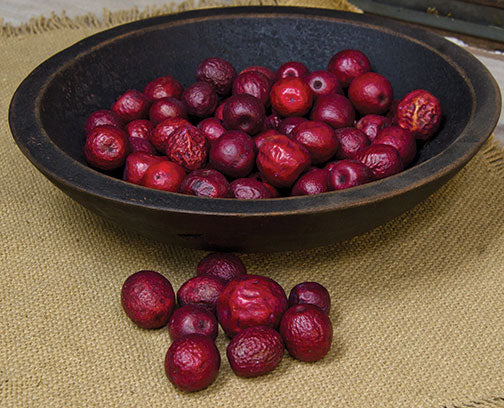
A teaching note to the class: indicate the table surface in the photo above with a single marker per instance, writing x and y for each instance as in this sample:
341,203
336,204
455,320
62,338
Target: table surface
20,11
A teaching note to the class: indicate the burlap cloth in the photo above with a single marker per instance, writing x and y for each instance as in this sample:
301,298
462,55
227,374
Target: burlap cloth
418,303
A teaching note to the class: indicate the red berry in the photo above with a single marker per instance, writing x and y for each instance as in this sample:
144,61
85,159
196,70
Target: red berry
148,299
269,73
348,173
419,112
212,128
166,108
106,147
318,138
402,140
255,351
323,83
248,301
351,141
291,96
311,293
188,147
249,189
161,133
221,265
163,87
137,164
206,183
349,64
233,154
217,72
102,117
131,105
335,110
307,332
293,69
202,290
281,161
371,93
382,160
190,319
192,362
312,182
164,175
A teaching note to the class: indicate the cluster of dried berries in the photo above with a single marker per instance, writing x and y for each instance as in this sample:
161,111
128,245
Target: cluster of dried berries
253,311
263,133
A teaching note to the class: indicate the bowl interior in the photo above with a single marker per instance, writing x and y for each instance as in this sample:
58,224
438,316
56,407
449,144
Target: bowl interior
99,74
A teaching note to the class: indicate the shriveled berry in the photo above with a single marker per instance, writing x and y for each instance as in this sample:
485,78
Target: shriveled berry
202,290
382,160
131,105
255,351
248,301
249,189
206,183
307,332
148,299
217,72
139,128
161,133
419,112
106,147
351,140
281,161
200,99
312,293
221,265
372,124
163,87
188,147
253,83
192,362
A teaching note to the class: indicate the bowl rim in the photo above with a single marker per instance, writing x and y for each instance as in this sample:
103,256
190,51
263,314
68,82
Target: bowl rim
34,142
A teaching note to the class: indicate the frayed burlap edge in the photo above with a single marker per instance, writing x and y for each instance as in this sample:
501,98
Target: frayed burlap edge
110,19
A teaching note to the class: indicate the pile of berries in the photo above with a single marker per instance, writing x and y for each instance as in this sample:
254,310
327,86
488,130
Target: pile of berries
253,311
263,133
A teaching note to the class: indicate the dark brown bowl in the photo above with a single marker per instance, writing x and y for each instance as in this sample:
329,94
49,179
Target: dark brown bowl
50,106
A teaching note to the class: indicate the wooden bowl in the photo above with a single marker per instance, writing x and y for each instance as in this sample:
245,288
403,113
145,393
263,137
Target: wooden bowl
49,109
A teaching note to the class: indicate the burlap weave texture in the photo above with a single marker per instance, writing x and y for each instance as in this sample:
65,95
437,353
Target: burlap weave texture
418,304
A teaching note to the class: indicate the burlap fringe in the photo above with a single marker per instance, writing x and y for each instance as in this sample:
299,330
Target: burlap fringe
492,151
494,154
110,19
